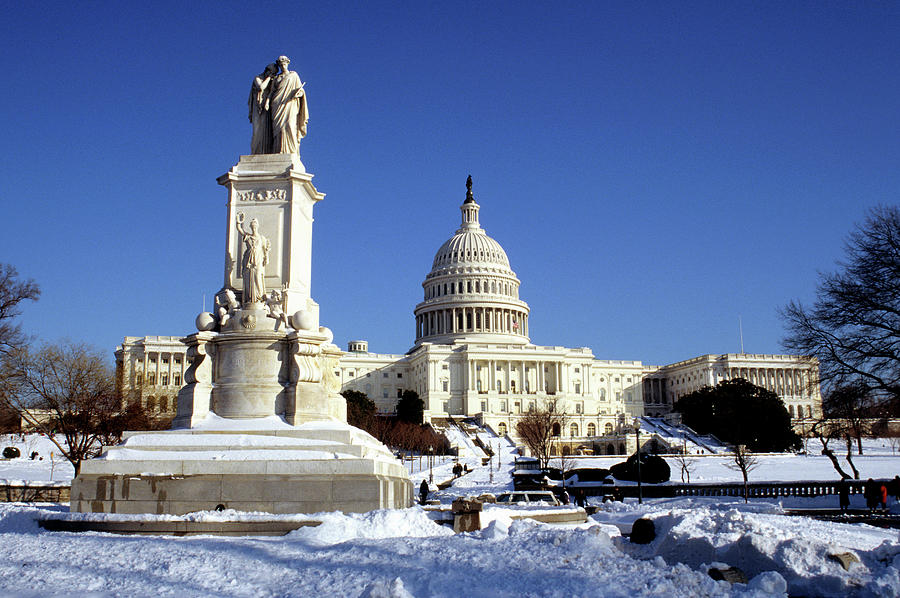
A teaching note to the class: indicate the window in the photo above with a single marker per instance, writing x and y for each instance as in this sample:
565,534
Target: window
578,388
399,375
602,394
499,386
445,386
577,370
151,379
351,374
578,408
791,410
809,411
445,367
176,379
384,393
502,406
573,430
501,429
483,406
384,375
555,431
151,403
591,429
139,378
608,428
164,379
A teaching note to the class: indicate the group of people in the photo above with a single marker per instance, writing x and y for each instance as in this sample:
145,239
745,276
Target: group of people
459,469
875,493
580,498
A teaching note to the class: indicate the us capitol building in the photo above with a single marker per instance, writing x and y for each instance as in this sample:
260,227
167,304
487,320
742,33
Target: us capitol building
472,358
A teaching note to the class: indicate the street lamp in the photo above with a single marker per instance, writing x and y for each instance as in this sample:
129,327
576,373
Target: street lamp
637,434
431,465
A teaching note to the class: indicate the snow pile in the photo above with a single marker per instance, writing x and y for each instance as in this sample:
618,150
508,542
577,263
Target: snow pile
798,549
338,527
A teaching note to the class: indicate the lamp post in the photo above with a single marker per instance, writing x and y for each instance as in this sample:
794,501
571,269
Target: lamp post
637,434
431,465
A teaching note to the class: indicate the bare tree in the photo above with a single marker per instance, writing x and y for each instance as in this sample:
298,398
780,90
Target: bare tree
13,292
685,463
852,405
827,430
745,461
65,390
853,328
539,427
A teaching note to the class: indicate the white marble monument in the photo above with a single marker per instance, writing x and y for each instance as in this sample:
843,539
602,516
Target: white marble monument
260,425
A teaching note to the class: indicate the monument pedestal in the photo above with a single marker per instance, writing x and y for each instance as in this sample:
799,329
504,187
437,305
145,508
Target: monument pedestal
260,423
319,466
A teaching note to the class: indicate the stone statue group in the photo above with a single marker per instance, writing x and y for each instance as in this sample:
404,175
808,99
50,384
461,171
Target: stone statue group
278,110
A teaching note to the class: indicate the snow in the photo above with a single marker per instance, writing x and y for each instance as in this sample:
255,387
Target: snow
214,422
403,553
757,538
220,440
126,454
383,553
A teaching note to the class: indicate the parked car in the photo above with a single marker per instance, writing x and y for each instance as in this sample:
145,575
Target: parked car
531,497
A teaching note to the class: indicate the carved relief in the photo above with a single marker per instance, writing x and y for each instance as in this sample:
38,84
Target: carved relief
330,380
308,366
262,195
200,369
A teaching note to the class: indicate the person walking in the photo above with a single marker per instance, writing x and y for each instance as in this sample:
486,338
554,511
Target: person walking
423,492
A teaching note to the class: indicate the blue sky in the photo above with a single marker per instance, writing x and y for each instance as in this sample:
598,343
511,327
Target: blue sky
654,170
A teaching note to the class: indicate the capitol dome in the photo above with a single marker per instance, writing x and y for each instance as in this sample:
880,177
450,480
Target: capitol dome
471,293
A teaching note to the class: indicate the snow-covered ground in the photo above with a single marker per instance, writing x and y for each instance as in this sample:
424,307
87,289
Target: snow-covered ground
404,553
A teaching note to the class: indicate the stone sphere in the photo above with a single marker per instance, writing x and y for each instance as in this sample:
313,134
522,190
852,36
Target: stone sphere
329,335
205,322
303,320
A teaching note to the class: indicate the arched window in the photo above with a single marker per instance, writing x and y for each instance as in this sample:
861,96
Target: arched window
608,428
477,286
512,386
610,449
151,403
591,429
555,431
163,404
573,430
501,428
499,386
791,411
602,392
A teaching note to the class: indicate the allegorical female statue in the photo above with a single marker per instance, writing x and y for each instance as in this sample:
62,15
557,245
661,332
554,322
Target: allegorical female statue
260,117
278,110
255,259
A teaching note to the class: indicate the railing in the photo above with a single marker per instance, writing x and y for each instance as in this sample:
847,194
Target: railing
805,489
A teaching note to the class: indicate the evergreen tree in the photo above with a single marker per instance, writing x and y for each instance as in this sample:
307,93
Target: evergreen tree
740,413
